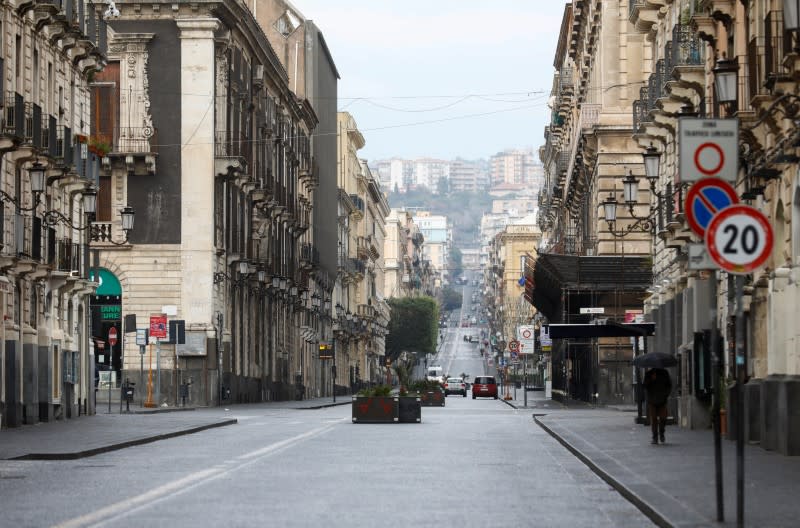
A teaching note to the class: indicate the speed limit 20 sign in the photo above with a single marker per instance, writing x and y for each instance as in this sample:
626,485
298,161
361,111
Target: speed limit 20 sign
739,239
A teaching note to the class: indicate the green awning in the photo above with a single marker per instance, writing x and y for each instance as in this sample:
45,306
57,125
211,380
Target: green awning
109,284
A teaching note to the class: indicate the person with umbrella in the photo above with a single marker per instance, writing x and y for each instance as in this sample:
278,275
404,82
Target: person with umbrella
657,386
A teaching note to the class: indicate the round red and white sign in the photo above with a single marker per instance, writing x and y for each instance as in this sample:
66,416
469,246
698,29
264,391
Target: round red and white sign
112,336
526,334
513,346
739,239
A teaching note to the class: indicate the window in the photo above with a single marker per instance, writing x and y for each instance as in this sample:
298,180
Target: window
56,369
18,58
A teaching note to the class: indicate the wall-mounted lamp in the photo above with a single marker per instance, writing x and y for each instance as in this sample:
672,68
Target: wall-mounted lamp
791,17
725,80
36,173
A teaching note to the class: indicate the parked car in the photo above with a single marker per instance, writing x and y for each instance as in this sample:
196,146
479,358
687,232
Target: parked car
485,387
455,386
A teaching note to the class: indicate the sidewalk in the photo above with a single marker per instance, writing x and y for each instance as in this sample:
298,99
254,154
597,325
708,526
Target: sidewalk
673,483
91,435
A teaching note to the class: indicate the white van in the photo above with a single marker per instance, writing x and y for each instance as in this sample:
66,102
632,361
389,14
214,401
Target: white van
435,373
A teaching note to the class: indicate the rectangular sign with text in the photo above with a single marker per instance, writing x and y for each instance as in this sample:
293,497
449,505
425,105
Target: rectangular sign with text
708,148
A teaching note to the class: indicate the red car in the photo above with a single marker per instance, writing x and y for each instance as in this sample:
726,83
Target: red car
485,387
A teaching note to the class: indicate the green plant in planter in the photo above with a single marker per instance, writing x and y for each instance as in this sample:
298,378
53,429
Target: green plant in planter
378,391
99,146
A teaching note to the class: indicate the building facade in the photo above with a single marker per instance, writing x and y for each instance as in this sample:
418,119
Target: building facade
48,182
681,51
223,179
403,255
514,166
362,313
588,258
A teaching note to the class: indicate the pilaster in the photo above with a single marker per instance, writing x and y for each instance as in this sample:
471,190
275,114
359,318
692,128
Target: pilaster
197,167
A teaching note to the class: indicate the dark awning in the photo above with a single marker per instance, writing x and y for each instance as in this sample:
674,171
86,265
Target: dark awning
567,331
553,274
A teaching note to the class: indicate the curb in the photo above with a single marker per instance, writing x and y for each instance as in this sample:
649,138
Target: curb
323,406
121,445
508,402
162,410
634,499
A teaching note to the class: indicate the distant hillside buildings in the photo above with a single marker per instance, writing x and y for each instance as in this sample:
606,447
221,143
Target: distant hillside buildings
515,168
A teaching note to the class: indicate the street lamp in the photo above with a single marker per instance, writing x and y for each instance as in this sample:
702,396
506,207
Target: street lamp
90,200
652,158
36,173
725,73
630,189
791,17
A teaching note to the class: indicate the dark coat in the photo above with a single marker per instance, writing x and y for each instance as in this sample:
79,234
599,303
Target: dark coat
657,385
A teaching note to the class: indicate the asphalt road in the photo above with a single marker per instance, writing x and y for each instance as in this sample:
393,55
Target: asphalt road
472,463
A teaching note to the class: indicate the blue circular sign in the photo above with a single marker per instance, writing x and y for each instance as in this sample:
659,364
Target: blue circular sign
705,199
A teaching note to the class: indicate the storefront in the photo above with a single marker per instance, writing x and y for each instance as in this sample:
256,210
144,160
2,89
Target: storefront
591,296
106,307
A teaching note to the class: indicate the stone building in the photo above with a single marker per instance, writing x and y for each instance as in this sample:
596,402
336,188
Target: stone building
214,151
683,44
592,256
48,183
509,250
362,313
402,255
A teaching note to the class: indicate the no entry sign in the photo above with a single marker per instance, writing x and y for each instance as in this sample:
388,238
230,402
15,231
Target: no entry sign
739,239
705,199
708,149
112,336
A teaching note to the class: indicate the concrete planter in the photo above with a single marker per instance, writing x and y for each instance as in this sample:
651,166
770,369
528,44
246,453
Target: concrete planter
432,398
376,409
410,409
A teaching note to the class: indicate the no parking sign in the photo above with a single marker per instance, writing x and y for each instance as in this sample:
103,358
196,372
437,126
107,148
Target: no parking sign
708,148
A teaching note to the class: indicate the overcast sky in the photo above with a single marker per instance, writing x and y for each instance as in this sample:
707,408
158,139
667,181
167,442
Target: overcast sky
442,78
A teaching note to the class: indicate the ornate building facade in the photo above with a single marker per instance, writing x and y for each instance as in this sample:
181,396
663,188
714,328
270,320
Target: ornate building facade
48,185
214,151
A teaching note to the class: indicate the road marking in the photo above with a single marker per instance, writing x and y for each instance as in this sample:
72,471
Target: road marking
114,512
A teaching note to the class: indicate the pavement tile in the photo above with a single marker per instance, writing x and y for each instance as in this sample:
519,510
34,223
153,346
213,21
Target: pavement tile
674,482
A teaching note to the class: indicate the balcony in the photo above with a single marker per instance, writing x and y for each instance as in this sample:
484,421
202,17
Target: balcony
309,256
229,158
778,44
686,60
358,266
358,203
644,13
362,248
136,147
365,311
68,257
14,117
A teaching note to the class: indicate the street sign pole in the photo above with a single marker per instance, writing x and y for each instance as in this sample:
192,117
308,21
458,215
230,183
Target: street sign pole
524,381
717,373
740,370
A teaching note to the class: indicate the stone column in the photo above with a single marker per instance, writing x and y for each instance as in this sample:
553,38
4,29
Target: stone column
197,168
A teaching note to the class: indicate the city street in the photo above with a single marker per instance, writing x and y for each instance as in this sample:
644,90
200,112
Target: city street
471,463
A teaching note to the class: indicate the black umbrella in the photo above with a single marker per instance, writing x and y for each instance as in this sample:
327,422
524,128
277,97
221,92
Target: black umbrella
655,360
